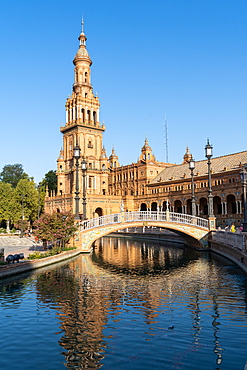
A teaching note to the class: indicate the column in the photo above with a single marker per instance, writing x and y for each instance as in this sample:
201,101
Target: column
225,208
240,206
74,116
222,208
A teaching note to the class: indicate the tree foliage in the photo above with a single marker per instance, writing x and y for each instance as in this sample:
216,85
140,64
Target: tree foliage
12,174
8,211
20,198
56,226
26,196
50,180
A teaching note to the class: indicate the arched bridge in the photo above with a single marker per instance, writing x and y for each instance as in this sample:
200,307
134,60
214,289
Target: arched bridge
93,229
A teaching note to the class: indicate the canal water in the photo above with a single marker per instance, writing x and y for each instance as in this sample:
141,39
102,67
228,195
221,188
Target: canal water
129,305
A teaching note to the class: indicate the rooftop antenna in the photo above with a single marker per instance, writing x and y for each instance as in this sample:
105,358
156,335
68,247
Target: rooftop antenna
166,139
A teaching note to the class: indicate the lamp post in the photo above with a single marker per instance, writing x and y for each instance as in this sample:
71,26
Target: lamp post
84,194
193,202
243,176
209,154
77,154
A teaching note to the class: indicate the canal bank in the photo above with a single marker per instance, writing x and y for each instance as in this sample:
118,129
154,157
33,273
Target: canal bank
26,265
230,245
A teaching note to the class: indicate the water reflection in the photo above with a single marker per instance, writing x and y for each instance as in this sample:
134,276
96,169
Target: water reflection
115,306
132,257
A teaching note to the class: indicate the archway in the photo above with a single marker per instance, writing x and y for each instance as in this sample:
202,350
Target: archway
217,206
154,207
189,206
165,206
231,204
143,207
98,212
178,206
203,207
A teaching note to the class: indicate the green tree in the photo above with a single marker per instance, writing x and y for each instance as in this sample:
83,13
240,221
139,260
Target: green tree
12,173
26,196
56,226
50,180
8,209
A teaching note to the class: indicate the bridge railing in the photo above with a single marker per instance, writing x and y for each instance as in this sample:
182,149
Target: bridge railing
143,216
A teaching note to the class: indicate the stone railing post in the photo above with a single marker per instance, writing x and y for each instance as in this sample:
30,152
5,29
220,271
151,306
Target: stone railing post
212,223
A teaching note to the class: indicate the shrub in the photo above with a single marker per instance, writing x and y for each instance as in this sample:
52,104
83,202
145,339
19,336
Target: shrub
51,252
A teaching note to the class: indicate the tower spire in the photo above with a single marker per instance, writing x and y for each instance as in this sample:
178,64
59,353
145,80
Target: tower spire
82,25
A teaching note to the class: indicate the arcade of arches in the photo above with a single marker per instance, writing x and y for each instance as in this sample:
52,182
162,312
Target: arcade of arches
226,210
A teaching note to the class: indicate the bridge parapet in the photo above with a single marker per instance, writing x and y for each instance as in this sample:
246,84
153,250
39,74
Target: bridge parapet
125,217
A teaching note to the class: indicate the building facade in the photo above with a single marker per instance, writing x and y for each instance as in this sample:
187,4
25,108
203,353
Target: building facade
144,185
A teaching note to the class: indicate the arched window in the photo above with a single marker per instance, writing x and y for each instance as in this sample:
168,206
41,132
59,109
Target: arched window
143,207
154,206
217,205
178,206
85,76
203,206
94,118
231,204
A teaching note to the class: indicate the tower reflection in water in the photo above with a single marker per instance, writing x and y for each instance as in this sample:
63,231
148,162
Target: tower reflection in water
139,288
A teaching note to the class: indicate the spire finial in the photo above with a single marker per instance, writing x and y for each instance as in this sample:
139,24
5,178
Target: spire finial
82,25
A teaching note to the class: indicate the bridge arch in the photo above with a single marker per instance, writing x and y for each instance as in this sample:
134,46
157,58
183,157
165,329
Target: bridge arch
192,227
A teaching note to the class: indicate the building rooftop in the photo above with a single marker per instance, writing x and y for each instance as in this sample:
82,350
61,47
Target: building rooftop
219,165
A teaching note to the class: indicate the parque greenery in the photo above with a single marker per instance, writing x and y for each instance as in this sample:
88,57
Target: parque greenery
21,208
20,198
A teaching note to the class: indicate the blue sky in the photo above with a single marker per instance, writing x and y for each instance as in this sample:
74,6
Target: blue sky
183,59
